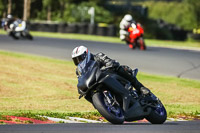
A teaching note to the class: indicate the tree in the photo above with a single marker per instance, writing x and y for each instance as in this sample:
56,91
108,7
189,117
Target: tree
55,8
181,14
9,7
48,5
195,6
27,8
3,8
62,4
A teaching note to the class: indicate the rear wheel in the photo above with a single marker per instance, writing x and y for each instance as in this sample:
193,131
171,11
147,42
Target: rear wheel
108,107
29,36
25,34
142,45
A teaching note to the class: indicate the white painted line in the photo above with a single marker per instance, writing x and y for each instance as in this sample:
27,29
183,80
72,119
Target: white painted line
72,120
61,120
84,120
173,119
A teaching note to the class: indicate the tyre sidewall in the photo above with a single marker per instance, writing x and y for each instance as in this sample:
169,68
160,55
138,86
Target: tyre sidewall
100,106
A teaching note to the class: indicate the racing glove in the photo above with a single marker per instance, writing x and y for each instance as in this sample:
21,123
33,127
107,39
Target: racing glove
113,64
127,69
106,61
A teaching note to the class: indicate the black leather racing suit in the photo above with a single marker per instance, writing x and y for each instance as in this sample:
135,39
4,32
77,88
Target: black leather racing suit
124,71
9,22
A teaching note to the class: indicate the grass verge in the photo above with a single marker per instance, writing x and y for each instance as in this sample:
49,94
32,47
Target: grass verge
149,42
33,85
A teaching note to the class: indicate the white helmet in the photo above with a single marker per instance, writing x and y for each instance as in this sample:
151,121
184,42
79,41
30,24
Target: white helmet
9,16
134,26
79,54
128,17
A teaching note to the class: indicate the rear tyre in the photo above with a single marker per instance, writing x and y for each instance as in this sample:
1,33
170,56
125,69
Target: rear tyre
29,36
142,44
112,113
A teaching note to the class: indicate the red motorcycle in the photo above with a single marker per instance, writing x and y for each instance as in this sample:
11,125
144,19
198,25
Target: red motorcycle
135,38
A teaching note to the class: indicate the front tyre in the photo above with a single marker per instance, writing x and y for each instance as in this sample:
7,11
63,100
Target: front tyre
158,114
113,113
12,34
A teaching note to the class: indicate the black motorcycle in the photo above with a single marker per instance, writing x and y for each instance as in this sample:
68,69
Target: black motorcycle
114,97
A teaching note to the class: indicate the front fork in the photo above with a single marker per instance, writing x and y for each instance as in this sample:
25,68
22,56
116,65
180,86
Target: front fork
111,100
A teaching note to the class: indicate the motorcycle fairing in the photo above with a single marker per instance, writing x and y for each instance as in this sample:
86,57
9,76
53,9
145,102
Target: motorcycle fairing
93,77
88,76
132,108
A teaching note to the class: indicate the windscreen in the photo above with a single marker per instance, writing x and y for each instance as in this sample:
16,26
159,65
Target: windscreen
83,66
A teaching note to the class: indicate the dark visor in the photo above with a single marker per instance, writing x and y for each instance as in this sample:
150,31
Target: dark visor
78,59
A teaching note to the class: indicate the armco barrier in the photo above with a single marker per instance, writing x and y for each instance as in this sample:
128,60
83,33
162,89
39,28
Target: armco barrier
71,28
92,29
112,30
81,28
102,31
194,36
61,27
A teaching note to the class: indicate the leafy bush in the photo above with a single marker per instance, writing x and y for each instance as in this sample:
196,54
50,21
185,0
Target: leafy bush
78,13
179,13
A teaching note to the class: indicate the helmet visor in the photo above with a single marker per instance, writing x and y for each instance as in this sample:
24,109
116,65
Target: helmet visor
78,59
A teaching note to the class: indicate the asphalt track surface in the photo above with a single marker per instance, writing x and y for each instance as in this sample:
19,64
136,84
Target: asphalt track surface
180,63
168,127
155,60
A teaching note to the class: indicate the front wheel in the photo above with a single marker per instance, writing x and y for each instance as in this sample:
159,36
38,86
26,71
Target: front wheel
158,114
12,34
108,107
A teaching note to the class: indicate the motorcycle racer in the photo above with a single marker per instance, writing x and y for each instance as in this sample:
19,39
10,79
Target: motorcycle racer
124,25
81,54
16,28
8,23
131,32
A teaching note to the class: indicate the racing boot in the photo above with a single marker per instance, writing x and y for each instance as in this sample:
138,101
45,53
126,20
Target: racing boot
144,91
134,82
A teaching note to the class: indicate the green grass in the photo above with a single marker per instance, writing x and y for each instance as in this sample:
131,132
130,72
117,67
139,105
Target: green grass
2,32
34,85
149,42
